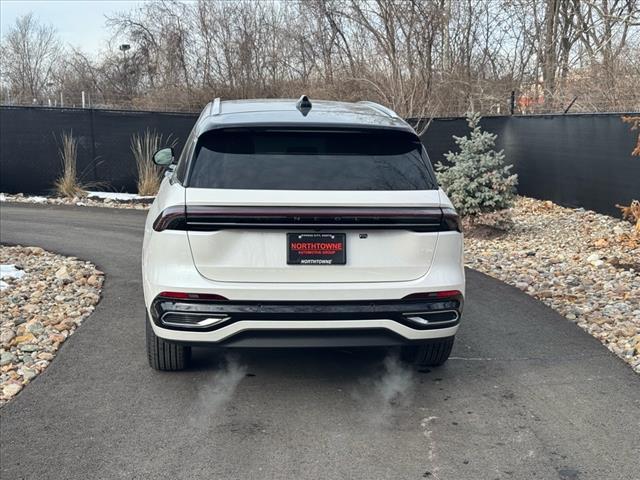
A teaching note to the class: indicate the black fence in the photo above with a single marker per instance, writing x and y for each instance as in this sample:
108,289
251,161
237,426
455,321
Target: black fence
581,160
31,137
575,160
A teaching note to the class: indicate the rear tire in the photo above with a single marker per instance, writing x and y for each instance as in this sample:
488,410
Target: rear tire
431,354
164,355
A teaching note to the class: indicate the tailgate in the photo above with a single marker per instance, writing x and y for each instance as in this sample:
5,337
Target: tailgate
241,235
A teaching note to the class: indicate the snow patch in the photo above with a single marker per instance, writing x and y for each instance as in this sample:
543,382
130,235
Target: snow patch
117,196
9,271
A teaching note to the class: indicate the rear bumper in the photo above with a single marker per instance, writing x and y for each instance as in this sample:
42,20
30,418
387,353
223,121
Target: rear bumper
303,324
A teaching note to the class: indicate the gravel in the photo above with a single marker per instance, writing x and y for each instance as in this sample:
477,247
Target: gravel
93,199
41,308
582,264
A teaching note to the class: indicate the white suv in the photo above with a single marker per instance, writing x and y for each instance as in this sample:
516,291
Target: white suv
287,224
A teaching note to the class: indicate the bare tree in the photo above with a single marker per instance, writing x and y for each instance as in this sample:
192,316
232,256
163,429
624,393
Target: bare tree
30,54
421,58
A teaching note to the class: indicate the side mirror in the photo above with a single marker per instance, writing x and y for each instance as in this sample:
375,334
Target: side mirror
163,157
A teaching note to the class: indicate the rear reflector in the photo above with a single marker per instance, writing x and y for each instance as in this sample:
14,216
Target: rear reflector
448,293
192,296
428,295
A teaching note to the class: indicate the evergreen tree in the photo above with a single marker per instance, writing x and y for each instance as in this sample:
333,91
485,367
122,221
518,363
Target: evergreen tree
477,179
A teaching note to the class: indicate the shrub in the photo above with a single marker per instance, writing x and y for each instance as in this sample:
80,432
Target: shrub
477,180
631,212
143,147
68,184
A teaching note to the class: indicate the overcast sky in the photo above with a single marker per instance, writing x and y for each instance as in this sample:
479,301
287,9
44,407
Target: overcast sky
80,23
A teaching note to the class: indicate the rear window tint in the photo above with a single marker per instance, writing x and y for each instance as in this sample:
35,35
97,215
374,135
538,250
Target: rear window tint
310,160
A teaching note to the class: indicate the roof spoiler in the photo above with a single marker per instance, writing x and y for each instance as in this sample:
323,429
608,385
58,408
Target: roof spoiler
379,108
216,107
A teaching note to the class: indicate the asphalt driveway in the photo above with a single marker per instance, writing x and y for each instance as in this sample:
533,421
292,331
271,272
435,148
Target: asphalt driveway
526,394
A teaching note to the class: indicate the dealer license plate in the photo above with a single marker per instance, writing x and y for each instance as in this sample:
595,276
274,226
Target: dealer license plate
316,249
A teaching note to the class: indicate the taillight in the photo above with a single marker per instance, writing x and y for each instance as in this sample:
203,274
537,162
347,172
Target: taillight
191,296
171,218
212,218
450,220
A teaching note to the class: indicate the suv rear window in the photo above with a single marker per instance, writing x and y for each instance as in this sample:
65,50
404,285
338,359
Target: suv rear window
275,159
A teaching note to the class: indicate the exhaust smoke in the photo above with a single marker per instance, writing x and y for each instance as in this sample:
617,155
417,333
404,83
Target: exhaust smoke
215,393
391,388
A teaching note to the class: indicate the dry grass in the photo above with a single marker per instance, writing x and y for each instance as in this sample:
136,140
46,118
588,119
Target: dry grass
143,147
68,184
631,213
635,125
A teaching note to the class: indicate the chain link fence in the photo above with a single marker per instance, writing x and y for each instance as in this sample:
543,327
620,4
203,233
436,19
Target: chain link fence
443,104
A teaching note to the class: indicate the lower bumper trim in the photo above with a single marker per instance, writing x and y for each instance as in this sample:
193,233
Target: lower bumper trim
199,315
287,333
